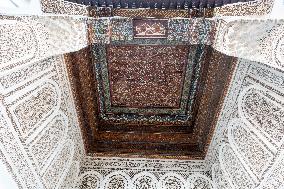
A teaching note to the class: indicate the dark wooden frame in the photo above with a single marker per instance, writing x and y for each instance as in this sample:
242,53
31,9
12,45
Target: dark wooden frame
216,72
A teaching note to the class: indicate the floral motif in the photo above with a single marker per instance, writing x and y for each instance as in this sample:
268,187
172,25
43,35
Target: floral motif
121,29
101,30
244,153
134,173
179,29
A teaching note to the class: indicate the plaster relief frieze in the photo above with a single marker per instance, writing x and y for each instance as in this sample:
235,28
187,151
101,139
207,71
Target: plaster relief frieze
42,118
14,155
270,119
145,179
274,178
23,47
49,140
234,169
39,37
172,180
12,79
219,178
36,107
72,175
200,181
37,113
247,36
57,171
250,8
134,173
90,180
117,179
249,147
63,7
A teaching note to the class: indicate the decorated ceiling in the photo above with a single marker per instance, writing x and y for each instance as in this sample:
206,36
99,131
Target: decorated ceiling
151,86
65,113
154,84
159,4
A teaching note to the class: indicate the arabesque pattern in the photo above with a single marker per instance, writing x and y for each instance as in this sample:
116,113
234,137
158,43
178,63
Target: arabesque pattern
41,142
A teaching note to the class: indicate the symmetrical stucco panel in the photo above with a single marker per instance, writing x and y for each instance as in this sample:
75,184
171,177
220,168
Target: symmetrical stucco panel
39,131
40,116
248,142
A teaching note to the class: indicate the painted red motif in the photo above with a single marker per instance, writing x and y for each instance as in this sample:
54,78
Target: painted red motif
150,28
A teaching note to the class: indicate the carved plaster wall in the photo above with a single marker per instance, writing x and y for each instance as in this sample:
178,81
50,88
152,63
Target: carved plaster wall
20,7
247,150
134,173
63,7
252,8
40,140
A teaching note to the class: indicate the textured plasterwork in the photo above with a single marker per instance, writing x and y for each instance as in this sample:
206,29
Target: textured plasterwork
40,139
34,87
260,40
40,136
233,36
248,144
63,7
137,173
251,8
39,130
33,38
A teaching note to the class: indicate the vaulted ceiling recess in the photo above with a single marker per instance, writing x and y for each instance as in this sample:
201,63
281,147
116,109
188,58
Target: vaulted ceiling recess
147,90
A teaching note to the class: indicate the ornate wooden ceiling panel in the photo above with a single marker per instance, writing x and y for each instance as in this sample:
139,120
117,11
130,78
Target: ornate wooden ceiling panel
145,82
143,77
149,96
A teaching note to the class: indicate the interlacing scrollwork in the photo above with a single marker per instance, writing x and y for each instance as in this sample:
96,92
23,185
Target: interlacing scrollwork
42,131
39,132
249,144
63,7
250,8
131,173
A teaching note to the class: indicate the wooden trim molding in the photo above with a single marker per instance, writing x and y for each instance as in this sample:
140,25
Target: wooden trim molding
141,139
